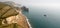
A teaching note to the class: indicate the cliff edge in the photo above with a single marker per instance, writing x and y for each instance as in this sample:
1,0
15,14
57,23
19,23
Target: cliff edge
12,17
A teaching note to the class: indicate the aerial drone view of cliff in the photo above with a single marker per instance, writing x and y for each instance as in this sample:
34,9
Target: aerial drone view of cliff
11,15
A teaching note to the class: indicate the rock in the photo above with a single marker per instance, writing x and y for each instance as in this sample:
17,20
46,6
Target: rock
24,8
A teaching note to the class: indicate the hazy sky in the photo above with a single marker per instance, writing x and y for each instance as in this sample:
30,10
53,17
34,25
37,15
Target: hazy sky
38,2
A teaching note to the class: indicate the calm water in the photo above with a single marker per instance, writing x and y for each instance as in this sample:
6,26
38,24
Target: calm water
38,20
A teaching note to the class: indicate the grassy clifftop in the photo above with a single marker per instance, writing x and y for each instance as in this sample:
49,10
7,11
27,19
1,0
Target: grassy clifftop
9,12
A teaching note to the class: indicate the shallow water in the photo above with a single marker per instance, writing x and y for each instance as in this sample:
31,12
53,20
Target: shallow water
38,20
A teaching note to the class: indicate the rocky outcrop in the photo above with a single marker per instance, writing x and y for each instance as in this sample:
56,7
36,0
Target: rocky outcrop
24,8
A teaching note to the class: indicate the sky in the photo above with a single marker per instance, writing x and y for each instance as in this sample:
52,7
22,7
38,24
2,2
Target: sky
37,2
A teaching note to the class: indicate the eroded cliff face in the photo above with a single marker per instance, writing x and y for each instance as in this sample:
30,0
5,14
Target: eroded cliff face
12,17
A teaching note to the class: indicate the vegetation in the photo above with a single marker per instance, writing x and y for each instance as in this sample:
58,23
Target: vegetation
6,11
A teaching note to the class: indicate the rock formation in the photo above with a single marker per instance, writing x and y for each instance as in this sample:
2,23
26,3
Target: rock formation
24,8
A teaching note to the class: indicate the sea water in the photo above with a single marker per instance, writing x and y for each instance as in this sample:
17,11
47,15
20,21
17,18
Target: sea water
38,20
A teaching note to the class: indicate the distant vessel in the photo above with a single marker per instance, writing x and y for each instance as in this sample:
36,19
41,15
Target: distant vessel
45,15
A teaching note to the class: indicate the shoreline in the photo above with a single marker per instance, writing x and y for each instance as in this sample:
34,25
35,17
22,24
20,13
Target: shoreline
27,20
28,23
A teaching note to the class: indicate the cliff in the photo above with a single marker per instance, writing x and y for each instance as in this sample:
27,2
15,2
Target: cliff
11,17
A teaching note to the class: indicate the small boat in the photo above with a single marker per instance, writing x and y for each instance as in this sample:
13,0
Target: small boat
45,15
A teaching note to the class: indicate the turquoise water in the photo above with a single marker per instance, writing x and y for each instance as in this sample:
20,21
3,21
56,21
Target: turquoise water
38,20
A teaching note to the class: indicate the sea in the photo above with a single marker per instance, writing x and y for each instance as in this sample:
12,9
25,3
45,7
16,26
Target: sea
43,16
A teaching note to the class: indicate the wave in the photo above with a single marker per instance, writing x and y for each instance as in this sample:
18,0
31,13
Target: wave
28,22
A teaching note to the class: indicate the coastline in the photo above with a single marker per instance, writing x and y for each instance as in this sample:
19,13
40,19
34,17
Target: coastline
27,20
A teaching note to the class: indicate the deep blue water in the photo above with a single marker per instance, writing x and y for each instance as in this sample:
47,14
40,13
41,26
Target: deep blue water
38,20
